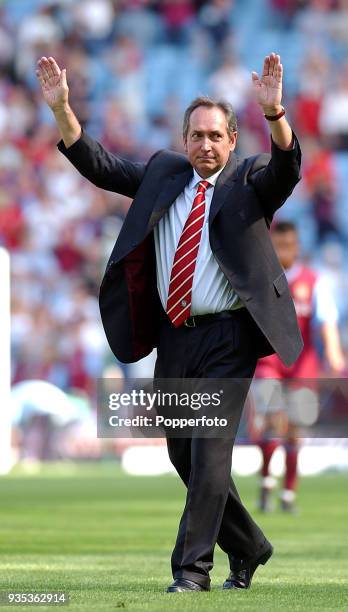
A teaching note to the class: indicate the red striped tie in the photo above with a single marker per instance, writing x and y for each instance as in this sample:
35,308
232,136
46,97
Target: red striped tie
181,278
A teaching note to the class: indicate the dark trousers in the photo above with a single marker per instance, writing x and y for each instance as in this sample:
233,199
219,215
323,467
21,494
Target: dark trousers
222,348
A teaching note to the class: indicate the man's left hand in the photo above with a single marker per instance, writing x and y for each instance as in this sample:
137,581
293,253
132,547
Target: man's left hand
268,88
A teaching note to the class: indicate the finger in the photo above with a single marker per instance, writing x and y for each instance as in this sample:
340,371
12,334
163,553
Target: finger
39,73
279,75
265,70
276,60
49,68
40,60
43,62
255,77
54,66
42,83
40,77
63,78
276,63
271,64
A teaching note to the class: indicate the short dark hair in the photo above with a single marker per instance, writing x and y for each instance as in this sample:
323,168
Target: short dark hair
208,102
283,227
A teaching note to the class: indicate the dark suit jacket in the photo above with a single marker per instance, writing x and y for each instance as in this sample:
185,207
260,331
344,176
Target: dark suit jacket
246,195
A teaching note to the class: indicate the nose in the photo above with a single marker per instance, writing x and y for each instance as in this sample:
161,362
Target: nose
206,146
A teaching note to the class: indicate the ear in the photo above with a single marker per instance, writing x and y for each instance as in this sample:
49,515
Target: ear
185,145
233,140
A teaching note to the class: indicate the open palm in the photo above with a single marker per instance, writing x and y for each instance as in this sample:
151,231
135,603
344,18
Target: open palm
53,82
268,88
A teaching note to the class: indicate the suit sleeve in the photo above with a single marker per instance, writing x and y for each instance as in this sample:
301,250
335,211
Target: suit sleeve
102,168
275,181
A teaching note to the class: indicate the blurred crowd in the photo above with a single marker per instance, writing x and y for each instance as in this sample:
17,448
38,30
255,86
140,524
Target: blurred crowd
132,67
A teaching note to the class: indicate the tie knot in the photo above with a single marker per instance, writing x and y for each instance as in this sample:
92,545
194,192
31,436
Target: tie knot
203,184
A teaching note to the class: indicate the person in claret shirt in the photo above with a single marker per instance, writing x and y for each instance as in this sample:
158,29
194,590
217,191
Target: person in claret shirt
282,417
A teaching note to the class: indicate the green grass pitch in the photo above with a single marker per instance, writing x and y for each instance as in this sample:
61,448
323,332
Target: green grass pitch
106,538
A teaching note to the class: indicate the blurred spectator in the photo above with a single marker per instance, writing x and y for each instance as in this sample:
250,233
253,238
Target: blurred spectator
339,29
118,133
332,269
45,421
178,17
37,31
283,11
11,222
69,256
94,23
232,82
253,133
137,20
79,66
7,46
215,18
314,22
323,205
320,181
313,78
124,63
334,111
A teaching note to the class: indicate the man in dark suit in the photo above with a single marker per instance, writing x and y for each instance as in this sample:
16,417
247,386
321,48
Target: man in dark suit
194,273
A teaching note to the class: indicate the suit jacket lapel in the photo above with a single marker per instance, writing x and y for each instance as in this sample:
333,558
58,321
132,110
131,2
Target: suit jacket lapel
172,187
223,186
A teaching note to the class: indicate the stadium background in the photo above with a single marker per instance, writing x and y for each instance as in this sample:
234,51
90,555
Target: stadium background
132,67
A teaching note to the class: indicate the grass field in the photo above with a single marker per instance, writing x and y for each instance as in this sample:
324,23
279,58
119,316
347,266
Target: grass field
106,539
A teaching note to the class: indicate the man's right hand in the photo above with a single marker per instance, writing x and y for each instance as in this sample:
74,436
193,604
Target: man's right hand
56,93
53,83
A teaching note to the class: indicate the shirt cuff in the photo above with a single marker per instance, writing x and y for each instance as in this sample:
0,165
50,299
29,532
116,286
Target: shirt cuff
293,144
67,150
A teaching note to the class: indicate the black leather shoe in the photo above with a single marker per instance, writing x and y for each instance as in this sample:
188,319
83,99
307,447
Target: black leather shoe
180,585
241,579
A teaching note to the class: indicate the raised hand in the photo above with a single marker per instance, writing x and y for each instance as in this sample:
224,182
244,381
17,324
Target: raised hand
53,82
268,88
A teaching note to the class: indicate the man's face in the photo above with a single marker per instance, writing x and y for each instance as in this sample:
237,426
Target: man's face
208,143
287,247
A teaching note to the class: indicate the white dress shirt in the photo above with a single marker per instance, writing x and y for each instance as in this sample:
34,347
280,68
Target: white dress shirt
211,291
